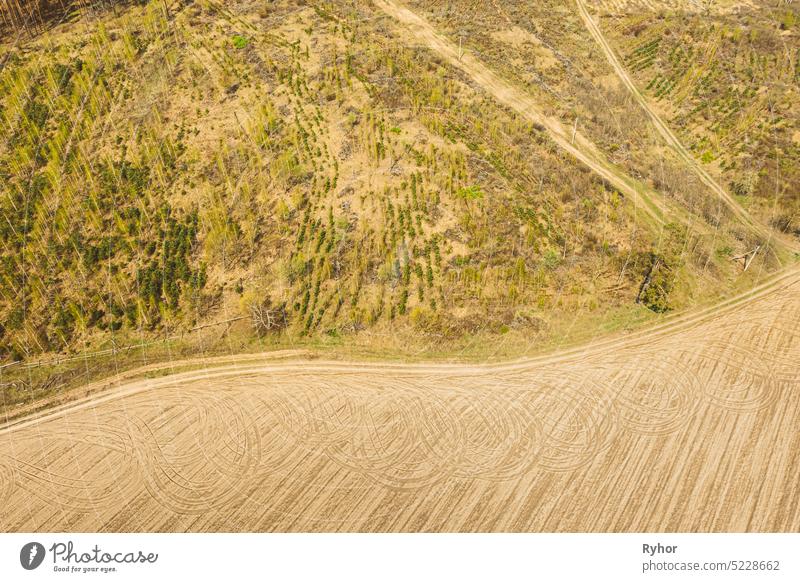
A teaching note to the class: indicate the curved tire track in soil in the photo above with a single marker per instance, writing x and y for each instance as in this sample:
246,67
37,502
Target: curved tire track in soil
690,425
607,437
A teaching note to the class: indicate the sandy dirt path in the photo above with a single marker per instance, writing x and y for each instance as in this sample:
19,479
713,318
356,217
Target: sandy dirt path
692,427
667,134
581,148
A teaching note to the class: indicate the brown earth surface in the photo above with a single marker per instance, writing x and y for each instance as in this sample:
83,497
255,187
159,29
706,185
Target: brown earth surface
691,426
688,426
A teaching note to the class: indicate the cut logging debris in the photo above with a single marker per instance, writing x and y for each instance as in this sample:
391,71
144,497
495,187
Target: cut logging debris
267,317
648,279
747,258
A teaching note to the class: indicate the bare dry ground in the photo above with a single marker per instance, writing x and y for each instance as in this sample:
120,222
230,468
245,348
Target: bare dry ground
688,427
717,7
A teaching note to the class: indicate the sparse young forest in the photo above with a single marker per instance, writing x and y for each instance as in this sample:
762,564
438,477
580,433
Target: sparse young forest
400,266
302,172
731,88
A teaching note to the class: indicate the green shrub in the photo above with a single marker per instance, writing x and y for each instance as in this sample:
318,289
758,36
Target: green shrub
471,193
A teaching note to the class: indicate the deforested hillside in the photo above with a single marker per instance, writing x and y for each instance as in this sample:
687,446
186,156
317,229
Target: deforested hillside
551,50
310,173
729,84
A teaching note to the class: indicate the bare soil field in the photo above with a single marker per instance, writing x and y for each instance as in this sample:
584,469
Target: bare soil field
689,427
395,173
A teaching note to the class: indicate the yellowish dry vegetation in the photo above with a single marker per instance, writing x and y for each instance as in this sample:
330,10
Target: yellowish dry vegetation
186,185
691,427
311,170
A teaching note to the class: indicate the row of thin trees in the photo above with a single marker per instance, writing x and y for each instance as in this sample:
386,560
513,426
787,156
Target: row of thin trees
33,15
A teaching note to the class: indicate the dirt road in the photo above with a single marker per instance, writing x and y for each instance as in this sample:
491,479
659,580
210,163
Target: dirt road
523,103
664,130
691,427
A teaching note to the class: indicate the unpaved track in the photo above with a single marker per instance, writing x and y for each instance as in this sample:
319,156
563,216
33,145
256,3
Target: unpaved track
666,133
524,104
691,428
